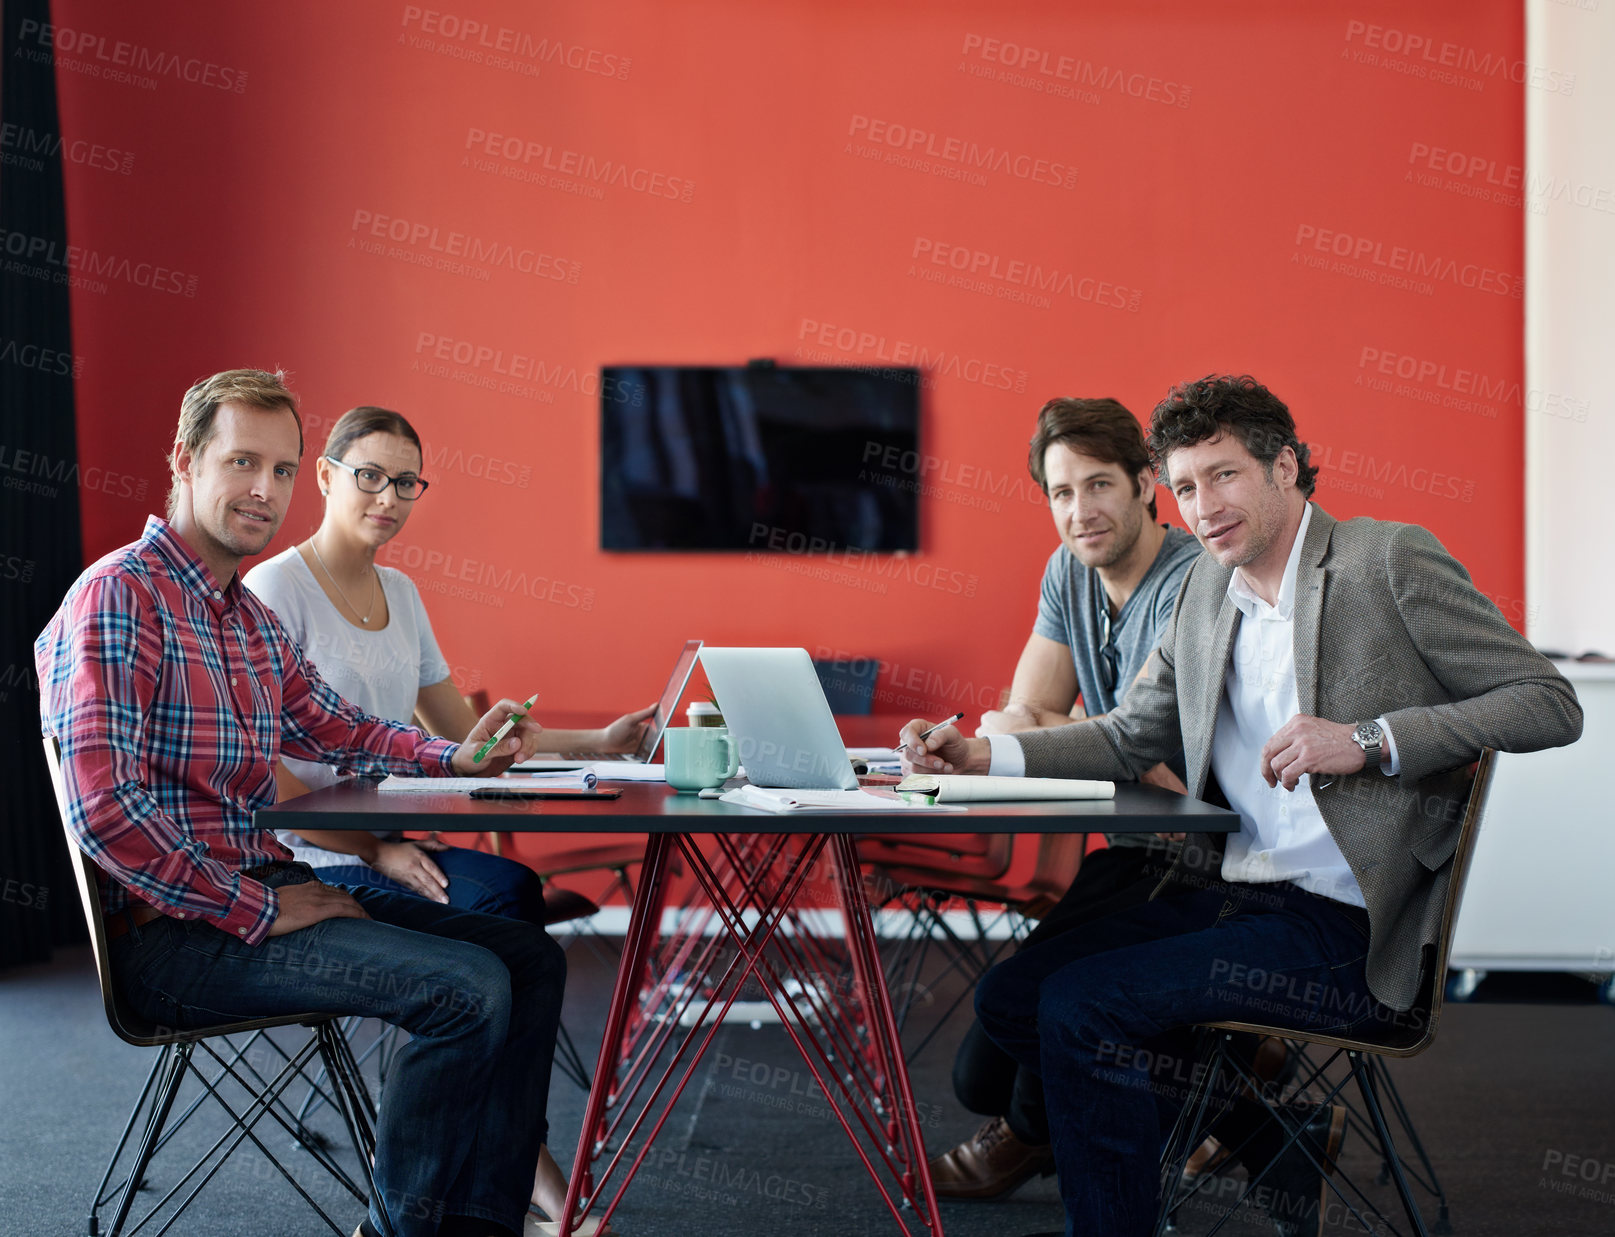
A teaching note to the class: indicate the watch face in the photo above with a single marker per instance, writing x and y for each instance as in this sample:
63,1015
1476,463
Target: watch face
1369,733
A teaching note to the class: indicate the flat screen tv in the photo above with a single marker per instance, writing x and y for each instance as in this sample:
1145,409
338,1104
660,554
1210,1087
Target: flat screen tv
759,457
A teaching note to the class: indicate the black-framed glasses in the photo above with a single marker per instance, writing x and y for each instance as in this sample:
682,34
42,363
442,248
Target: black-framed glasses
374,481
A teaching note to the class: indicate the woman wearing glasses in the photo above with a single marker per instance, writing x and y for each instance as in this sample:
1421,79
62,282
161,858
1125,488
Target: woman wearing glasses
365,629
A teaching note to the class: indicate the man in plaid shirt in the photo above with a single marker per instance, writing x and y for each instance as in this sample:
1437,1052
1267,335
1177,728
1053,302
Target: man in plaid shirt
172,691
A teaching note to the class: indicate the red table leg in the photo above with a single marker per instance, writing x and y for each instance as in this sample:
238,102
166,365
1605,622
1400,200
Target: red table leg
642,930
872,981
869,1086
661,1014
764,930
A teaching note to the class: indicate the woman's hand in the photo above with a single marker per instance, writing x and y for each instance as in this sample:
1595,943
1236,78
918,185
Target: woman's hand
413,868
624,734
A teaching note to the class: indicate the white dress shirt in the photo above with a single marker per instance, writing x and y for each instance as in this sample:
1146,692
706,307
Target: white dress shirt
1282,835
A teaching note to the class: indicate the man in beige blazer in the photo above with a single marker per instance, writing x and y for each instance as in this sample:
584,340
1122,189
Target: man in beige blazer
1330,681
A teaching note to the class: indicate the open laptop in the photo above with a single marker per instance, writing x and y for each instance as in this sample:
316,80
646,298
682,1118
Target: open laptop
775,709
648,742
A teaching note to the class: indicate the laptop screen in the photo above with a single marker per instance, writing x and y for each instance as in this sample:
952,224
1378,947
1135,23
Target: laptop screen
652,738
776,712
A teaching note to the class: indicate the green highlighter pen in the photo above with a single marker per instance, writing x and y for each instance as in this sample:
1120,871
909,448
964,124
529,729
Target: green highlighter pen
499,735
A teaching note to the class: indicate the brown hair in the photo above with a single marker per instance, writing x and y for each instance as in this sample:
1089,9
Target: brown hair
199,411
360,422
1101,428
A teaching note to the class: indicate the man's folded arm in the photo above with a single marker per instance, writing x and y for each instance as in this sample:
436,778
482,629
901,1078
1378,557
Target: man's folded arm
318,724
98,704
1508,696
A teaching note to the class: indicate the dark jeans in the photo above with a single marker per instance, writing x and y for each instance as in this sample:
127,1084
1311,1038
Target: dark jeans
1102,1016
986,1079
490,884
462,1117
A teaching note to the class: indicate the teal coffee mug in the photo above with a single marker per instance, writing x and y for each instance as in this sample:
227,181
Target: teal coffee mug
700,756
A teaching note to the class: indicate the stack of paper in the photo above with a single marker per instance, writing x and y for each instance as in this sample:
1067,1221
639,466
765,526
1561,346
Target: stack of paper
769,800
576,779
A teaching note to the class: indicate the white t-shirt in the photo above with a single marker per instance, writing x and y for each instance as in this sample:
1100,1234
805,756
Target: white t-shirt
380,671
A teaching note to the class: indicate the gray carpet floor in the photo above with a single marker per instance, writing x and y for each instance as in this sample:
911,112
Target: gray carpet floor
1516,1103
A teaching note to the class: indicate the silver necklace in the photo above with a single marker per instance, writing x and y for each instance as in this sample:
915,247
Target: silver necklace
363,618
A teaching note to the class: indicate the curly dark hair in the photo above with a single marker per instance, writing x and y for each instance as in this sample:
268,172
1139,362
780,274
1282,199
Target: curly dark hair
1194,412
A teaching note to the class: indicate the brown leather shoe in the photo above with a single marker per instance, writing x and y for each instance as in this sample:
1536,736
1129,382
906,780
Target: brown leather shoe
1209,1157
989,1164
1274,1065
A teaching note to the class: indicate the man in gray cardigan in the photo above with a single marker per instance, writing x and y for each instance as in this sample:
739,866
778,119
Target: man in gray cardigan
1330,681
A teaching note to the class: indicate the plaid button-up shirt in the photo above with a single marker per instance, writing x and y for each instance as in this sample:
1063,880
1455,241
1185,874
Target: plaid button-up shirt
172,699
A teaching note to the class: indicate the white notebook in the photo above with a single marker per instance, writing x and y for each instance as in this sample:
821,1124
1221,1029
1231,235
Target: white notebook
581,779
628,771
964,788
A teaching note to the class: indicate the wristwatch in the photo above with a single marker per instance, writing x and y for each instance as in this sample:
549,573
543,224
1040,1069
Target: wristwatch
1370,736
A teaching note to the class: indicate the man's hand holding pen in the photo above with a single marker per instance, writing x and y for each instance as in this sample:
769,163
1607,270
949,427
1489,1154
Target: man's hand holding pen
928,748
495,745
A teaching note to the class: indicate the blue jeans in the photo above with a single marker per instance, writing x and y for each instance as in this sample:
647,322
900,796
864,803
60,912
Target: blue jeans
491,884
986,1079
462,1117
1102,1013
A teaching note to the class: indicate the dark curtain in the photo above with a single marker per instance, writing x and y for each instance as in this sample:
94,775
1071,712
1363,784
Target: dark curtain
40,548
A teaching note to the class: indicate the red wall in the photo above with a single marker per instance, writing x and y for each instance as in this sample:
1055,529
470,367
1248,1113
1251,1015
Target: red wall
1210,162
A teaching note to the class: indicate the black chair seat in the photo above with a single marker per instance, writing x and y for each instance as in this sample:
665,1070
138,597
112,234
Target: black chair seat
562,905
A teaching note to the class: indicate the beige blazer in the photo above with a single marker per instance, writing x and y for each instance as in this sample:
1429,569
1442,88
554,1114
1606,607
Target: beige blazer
1387,623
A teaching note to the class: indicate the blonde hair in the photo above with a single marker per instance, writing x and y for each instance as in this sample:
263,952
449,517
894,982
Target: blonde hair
199,411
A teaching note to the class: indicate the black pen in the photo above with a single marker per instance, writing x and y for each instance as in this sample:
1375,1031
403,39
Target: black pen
924,735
